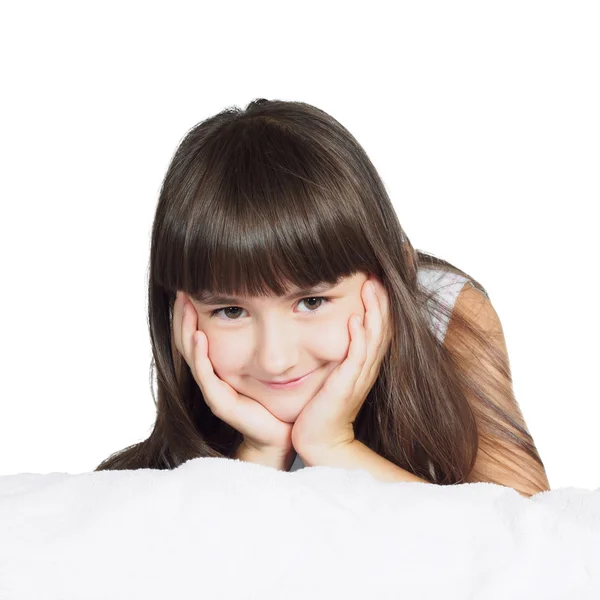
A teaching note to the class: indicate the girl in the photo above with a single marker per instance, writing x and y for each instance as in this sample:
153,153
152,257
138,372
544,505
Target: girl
271,225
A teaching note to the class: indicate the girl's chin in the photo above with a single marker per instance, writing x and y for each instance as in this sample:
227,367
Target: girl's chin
287,414
288,420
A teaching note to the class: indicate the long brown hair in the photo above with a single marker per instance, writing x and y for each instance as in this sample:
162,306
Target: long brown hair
281,193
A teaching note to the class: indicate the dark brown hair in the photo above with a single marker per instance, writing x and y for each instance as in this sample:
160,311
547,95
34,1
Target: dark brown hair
281,193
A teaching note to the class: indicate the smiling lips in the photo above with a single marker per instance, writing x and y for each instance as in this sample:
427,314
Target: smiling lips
287,384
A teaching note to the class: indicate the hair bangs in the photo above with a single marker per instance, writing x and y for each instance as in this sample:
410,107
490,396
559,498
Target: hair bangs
266,225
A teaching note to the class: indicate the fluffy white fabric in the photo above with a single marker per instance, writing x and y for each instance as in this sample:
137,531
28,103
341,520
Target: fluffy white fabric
218,528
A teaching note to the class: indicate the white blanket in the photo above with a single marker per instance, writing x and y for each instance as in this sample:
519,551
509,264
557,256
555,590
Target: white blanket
219,528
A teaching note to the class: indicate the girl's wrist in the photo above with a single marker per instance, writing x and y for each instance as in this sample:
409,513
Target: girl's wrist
277,458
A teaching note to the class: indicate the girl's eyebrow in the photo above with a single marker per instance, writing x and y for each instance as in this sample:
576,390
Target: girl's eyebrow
206,297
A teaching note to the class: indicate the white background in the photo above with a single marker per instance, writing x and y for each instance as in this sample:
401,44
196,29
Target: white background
482,119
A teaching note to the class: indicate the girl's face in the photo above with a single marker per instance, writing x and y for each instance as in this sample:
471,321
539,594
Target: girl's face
254,340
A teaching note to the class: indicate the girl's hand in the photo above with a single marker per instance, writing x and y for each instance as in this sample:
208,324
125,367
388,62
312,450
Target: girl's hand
327,420
261,430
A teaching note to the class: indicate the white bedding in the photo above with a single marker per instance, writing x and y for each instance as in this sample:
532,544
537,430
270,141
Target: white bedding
218,528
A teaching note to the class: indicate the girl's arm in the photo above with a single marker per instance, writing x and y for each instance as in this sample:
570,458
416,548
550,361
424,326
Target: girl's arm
356,455
491,464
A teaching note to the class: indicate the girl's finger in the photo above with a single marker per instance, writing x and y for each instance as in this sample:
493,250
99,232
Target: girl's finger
180,327
185,323
201,362
198,363
380,334
372,322
357,353
187,329
208,382
176,323
373,307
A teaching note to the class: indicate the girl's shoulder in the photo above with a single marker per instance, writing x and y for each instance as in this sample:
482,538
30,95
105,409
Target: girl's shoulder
446,287
441,281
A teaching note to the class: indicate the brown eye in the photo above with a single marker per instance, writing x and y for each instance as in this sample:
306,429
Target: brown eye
227,308
318,299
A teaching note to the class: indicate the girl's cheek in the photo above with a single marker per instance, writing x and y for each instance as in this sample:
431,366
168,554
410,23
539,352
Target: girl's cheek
220,355
334,341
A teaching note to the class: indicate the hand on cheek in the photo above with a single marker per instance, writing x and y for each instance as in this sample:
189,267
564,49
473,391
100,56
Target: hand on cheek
327,420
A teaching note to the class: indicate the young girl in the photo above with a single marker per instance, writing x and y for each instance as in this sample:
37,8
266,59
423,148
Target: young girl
271,227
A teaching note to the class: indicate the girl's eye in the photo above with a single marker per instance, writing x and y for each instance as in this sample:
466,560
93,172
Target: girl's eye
227,308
